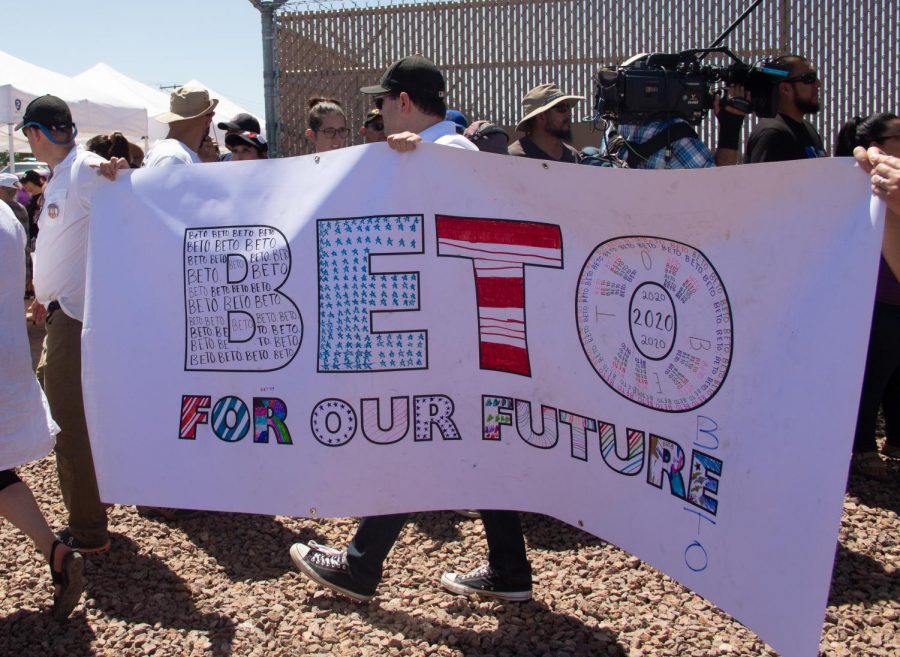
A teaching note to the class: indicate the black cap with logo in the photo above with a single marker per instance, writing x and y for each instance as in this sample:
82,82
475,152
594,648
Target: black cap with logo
242,122
49,111
414,75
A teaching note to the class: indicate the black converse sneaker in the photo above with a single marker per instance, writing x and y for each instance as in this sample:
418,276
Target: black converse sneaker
328,567
483,581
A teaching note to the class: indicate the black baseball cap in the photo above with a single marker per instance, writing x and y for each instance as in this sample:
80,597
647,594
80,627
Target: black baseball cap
243,122
413,74
49,111
372,116
253,139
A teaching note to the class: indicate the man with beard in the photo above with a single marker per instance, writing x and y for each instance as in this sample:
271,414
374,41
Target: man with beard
789,136
547,124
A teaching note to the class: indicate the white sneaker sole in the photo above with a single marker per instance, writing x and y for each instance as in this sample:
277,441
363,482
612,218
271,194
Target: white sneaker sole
448,581
298,554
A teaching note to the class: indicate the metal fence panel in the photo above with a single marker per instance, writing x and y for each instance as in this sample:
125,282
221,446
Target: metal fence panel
493,51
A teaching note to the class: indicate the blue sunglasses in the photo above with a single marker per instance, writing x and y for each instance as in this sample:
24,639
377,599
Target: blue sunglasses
49,135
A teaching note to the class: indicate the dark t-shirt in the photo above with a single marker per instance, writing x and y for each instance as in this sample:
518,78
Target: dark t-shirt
782,139
527,148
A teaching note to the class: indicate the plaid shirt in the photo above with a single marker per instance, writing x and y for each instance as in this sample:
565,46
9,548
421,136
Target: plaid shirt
688,153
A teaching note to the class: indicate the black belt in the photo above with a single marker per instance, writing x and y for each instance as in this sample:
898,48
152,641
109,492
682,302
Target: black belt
52,307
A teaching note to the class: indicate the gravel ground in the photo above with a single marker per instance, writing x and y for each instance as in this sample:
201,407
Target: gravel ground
223,584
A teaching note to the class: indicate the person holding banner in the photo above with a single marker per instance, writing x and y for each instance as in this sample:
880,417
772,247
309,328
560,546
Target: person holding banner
411,99
881,382
26,428
60,262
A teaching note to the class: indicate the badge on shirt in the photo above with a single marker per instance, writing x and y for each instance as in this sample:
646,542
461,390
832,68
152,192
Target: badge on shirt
53,210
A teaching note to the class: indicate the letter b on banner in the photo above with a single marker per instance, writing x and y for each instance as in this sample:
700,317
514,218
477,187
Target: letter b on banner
236,319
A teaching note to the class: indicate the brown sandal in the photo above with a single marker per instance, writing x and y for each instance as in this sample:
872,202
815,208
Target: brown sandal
70,581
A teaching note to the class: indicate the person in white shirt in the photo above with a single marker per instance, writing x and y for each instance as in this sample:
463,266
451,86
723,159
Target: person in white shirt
26,428
189,117
411,98
60,261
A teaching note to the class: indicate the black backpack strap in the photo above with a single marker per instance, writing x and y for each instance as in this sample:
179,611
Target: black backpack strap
638,153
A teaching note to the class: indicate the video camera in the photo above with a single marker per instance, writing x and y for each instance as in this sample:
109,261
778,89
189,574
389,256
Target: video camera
660,86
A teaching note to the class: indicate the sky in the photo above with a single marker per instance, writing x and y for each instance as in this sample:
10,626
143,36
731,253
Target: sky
164,42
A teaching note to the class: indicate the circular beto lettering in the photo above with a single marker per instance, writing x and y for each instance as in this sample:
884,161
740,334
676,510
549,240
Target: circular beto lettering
655,322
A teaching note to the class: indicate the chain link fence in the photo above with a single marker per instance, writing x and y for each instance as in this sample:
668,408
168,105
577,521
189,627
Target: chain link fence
492,52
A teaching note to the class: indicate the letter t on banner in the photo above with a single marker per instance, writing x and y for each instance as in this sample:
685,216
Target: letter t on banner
499,251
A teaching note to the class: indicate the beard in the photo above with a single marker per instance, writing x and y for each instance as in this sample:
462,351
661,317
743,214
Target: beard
561,133
807,105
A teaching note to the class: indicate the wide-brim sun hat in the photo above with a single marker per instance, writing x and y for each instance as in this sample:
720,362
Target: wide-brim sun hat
542,98
188,102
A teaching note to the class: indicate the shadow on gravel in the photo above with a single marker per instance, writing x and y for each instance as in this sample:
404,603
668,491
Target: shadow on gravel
880,494
36,634
249,547
861,579
527,629
546,533
141,589
441,526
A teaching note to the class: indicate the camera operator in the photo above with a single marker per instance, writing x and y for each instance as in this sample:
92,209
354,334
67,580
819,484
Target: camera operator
789,136
673,143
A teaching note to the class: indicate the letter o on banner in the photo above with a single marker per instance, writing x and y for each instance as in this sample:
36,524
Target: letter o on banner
695,557
333,422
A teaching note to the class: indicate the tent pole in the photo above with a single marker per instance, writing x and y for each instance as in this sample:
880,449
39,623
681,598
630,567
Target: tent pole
12,147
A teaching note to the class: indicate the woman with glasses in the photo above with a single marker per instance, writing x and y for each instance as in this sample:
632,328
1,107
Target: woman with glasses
327,125
881,383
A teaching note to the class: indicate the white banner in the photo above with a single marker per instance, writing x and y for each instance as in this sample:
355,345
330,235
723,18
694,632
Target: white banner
669,360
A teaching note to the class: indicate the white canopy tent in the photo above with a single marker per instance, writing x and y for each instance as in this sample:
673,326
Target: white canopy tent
94,110
155,101
152,99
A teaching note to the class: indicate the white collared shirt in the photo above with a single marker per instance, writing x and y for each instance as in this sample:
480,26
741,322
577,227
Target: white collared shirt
444,133
60,253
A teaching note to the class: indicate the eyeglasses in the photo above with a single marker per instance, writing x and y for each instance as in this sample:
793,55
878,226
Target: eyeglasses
807,78
377,127
331,133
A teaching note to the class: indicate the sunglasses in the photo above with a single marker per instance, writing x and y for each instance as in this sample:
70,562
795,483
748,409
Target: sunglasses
46,131
806,78
379,100
378,127
331,133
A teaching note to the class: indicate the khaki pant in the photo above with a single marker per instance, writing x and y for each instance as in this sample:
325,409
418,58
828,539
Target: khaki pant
61,362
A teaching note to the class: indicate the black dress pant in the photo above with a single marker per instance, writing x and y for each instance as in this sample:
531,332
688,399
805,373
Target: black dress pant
881,382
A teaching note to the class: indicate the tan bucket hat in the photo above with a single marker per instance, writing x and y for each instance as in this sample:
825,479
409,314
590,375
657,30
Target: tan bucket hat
542,98
188,102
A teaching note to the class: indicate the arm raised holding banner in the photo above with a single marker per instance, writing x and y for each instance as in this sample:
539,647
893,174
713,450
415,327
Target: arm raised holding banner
885,172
